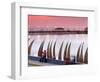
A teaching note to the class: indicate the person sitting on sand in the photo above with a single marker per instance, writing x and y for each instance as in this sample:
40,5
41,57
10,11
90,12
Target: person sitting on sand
66,61
43,58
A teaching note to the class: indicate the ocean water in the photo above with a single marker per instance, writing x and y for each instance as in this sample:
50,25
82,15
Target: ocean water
74,39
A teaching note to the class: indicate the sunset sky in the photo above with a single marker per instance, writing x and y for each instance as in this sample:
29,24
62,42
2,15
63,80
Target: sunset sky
67,22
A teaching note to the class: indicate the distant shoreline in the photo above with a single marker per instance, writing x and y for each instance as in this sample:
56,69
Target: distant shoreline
56,32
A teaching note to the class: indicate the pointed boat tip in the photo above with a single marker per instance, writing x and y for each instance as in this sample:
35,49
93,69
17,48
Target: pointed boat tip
83,43
70,43
63,41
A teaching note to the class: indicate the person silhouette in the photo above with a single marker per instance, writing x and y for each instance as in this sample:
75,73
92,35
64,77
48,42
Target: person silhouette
43,58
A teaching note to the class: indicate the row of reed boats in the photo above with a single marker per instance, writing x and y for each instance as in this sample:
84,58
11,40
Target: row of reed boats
80,58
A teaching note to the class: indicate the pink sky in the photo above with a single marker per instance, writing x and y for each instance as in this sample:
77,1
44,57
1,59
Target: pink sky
58,21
